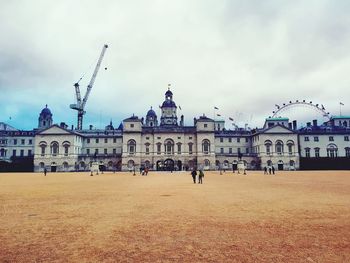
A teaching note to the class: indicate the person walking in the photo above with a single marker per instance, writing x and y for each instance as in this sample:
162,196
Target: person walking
273,170
200,177
270,170
194,174
45,171
265,170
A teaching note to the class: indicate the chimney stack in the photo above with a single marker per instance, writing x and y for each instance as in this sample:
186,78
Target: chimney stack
290,125
314,123
90,127
294,125
308,124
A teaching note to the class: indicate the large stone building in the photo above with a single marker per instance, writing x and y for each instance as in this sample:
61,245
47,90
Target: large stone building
166,143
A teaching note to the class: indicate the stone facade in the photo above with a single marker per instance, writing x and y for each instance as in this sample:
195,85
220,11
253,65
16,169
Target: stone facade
165,143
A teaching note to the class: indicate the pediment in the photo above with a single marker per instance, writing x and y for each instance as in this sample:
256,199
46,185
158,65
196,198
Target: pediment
54,130
278,129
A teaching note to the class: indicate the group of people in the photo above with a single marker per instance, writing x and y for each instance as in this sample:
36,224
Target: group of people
200,176
271,169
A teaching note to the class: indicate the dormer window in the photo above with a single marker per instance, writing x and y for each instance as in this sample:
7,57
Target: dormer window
131,125
205,125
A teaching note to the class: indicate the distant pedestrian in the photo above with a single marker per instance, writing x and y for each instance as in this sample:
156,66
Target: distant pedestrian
45,171
194,175
265,170
200,177
146,171
273,170
270,170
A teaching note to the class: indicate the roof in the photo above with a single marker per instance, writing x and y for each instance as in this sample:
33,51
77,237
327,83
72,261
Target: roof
6,127
341,117
151,113
168,104
277,119
204,118
46,111
132,118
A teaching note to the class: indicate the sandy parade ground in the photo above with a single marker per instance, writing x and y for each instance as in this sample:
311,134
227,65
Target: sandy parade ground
164,217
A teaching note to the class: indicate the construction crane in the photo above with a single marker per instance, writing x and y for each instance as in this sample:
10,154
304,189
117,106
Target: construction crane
80,105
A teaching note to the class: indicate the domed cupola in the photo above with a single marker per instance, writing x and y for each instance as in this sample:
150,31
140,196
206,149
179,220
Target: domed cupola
168,110
151,118
45,118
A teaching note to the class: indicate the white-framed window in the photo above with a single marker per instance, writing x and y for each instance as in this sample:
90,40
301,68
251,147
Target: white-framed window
317,152
279,147
131,146
307,152
206,146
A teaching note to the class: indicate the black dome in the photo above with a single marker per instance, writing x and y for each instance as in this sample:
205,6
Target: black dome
151,113
46,111
169,103
168,93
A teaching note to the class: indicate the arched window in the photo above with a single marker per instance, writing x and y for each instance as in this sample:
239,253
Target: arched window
42,146
131,146
65,166
159,148
291,163
178,148
290,145
66,146
131,164
332,151
279,147
268,147
206,164
226,164
206,146
54,148
42,166
169,146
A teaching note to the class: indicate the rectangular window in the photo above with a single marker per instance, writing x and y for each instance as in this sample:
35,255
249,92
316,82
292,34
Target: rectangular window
190,138
96,151
246,150
88,151
14,153
159,148
87,140
22,152
205,125
306,139
346,138
246,139
114,140
179,148
331,138
147,149
30,141
131,125
147,138
178,138
229,150
229,139
347,152
221,150
307,152
105,151
221,139
23,141
158,138
106,140
190,150
317,152
97,140
29,152
15,141
238,139
238,150
315,138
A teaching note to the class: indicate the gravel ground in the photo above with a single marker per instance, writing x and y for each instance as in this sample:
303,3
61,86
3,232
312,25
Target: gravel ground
164,217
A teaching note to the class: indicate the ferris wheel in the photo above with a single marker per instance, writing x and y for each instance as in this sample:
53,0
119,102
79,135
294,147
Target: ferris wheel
319,108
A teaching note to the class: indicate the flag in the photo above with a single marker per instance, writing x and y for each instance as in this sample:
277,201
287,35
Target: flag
216,108
341,103
179,107
218,115
230,119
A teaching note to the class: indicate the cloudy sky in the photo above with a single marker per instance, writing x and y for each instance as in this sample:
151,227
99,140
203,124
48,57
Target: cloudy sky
241,56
